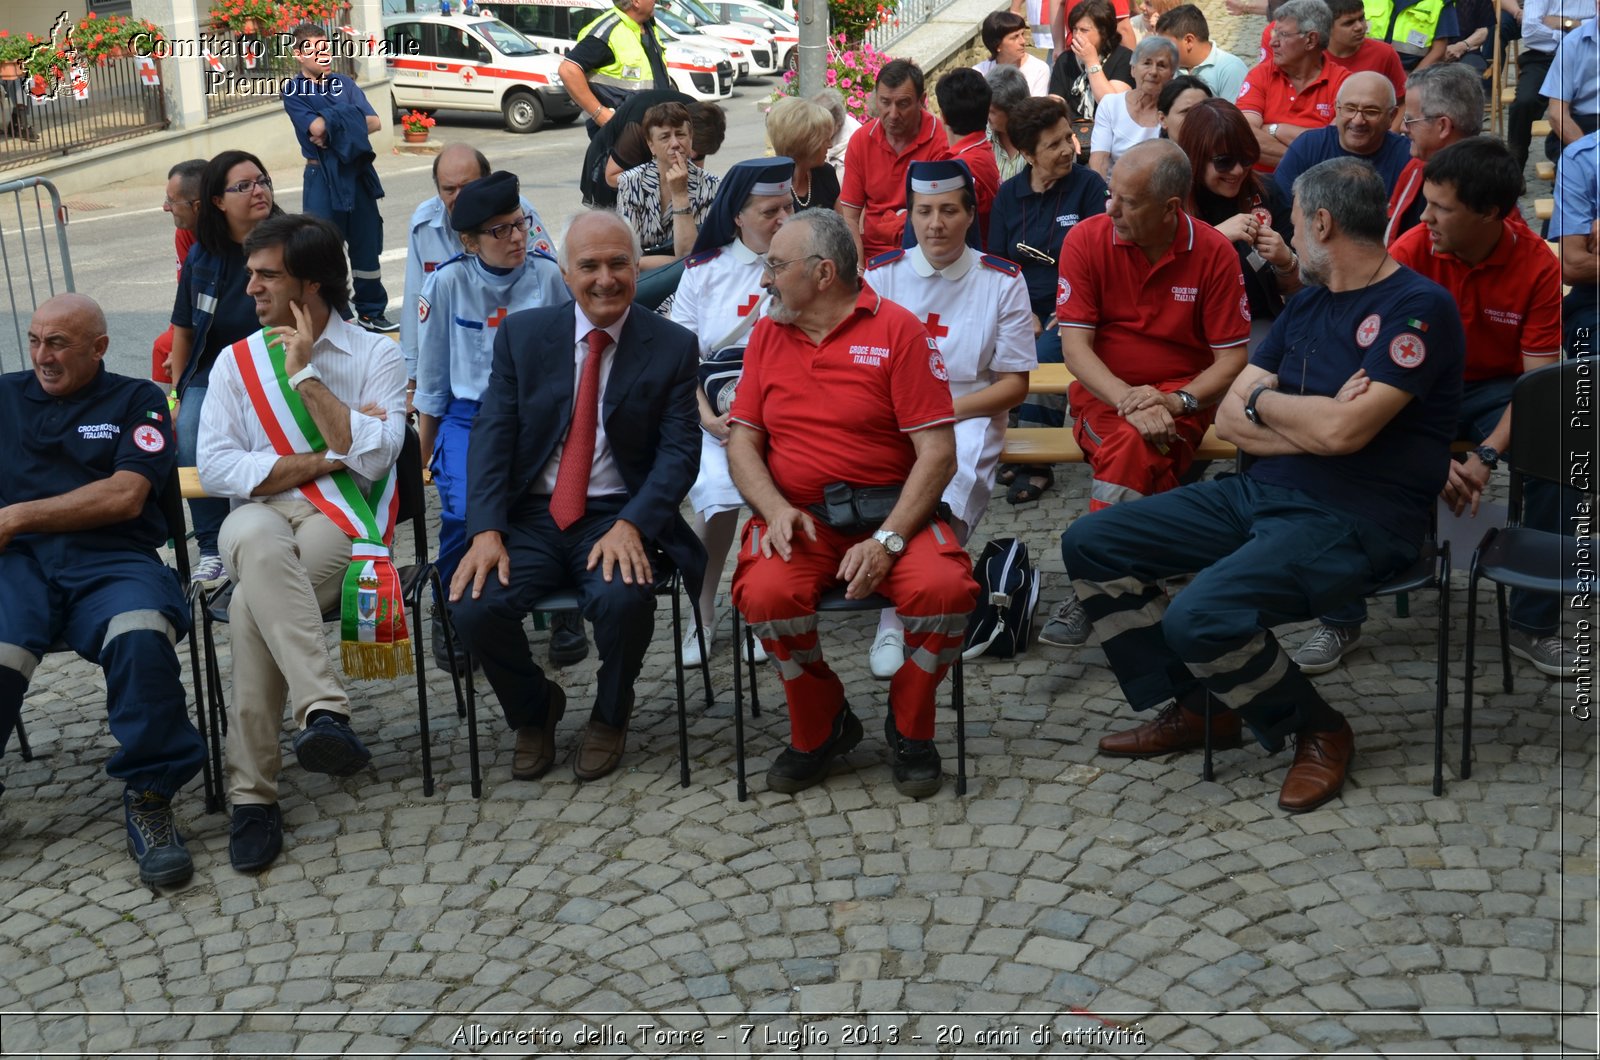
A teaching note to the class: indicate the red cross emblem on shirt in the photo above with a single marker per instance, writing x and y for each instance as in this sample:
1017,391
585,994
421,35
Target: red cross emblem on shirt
495,317
745,309
936,329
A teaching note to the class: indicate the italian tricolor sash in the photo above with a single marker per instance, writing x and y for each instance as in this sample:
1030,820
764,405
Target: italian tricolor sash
373,638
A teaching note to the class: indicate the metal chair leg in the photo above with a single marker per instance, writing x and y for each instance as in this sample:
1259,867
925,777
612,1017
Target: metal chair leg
422,697
677,673
449,642
1505,639
212,782
1440,691
1467,660
738,711
1206,771
959,695
755,685
23,746
472,731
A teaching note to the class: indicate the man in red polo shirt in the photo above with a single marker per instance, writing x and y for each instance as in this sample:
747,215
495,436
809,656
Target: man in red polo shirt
844,401
1507,288
873,198
1297,87
1154,320
964,96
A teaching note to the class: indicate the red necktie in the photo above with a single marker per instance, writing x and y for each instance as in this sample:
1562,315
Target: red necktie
571,494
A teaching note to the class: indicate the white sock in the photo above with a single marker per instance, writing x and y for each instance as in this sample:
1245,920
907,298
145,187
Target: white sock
889,620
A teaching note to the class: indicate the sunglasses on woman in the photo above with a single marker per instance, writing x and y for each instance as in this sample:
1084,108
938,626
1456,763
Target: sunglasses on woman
1227,163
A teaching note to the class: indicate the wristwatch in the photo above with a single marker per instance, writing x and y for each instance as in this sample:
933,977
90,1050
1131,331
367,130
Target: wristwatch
308,372
1272,130
1251,413
1091,71
1191,404
1489,455
892,542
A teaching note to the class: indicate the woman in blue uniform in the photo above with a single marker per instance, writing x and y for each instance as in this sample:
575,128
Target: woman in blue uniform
458,314
975,306
720,298
211,313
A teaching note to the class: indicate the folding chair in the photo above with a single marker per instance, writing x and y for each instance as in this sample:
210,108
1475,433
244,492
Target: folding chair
1545,404
833,601
668,580
171,502
414,579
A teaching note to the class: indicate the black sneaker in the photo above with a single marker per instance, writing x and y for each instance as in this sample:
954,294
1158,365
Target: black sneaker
256,838
329,745
917,769
377,322
153,839
568,642
796,770
441,656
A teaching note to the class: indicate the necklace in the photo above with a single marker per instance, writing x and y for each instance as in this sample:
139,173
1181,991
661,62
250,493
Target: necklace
803,201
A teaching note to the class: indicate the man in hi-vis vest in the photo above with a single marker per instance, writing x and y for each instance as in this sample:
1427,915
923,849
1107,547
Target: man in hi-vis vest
617,53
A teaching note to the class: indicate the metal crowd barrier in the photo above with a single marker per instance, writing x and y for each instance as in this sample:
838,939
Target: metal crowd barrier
35,260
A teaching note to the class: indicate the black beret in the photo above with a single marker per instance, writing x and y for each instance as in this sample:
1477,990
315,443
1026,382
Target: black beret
484,198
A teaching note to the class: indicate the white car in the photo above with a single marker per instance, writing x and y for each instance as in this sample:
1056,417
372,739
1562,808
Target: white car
555,24
462,62
675,30
766,53
784,29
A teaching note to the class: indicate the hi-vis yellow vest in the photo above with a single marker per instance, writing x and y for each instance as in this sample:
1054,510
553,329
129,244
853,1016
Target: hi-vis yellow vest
1413,28
629,69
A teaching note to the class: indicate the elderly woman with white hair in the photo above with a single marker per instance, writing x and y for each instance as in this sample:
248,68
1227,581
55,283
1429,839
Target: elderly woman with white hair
1128,118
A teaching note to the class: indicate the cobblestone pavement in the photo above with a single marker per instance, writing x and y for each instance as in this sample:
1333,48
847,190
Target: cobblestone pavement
1121,907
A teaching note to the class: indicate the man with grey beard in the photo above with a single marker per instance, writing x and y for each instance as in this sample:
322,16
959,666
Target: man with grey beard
1348,407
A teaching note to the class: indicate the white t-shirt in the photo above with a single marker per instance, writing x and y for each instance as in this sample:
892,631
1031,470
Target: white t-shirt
1034,70
1114,128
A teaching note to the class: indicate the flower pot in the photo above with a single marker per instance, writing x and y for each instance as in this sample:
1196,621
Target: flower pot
10,71
416,136
116,52
249,27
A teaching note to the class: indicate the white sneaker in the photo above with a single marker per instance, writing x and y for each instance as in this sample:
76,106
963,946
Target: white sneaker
1325,648
1545,653
692,658
888,653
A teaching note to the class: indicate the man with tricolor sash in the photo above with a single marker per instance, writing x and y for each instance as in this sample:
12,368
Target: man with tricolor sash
299,435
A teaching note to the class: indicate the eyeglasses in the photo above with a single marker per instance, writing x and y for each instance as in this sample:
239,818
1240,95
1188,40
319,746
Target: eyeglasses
170,203
775,267
500,231
1281,36
1034,254
1350,110
244,186
1227,163
1425,117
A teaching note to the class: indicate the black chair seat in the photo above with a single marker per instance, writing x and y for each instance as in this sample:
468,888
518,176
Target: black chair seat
1423,574
1535,560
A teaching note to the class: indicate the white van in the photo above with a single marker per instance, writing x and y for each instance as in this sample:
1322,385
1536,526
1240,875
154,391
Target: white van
555,24
785,30
471,62
765,42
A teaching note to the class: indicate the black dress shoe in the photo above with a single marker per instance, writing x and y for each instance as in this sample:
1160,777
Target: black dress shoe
568,642
256,838
441,656
795,770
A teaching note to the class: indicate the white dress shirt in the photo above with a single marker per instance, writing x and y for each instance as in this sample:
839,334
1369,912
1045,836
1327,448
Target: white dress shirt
604,478
359,368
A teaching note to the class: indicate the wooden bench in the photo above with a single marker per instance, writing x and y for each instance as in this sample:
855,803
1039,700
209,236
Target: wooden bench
1545,170
1544,208
1055,445
189,483
1540,128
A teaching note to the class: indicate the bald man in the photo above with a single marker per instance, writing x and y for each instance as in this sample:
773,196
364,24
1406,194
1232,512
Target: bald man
80,522
1364,111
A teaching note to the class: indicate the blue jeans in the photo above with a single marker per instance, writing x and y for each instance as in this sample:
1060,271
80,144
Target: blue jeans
206,514
362,228
450,476
113,609
1265,555
1483,401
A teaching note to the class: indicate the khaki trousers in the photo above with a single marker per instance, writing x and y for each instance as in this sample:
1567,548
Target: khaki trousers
287,561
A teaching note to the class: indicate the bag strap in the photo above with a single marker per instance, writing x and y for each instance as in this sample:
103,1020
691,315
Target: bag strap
741,329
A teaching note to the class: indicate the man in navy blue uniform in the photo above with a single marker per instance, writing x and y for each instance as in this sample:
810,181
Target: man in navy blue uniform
332,120
1348,406
88,453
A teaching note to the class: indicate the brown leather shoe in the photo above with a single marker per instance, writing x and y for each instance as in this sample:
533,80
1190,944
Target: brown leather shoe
1174,729
536,744
599,750
1321,762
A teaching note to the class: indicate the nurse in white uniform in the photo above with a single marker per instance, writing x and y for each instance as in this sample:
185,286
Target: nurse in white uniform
720,298
975,306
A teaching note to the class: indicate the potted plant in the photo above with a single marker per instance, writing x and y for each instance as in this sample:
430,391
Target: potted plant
852,69
248,17
100,38
15,48
145,38
416,125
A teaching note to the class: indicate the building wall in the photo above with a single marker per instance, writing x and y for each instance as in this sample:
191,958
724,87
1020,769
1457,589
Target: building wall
37,16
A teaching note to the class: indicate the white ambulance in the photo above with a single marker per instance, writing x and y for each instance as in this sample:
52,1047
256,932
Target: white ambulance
472,62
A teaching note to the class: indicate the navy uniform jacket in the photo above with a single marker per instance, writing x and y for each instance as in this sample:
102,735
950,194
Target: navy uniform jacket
649,413
55,445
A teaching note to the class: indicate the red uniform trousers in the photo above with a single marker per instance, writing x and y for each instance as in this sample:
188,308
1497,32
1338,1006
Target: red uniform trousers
1123,465
930,586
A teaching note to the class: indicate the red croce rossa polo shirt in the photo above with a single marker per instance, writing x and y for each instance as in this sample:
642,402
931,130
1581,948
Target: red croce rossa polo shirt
875,179
842,410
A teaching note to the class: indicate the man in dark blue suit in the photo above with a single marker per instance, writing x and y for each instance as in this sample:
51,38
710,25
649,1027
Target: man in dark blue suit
587,443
